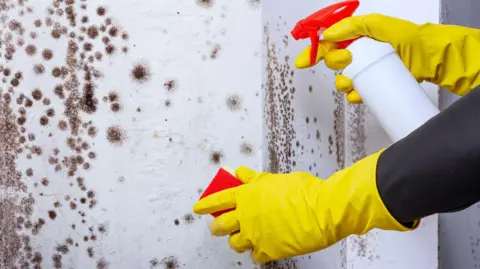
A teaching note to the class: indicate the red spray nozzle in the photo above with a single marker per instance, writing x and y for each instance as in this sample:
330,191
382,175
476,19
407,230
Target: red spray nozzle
321,20
223,180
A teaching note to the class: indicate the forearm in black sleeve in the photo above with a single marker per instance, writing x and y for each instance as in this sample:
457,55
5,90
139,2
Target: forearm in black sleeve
436,168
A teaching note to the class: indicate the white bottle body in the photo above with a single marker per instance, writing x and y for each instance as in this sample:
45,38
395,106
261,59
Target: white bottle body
388,88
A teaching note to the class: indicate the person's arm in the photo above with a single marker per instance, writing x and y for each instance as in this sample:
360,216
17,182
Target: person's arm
435,168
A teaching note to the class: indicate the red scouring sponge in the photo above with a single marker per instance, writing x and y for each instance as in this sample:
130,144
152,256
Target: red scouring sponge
224,179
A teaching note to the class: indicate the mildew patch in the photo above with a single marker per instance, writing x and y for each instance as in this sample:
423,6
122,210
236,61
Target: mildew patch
254,3
279,113
216,157
246,149
215,51
170,262
77,77
116,135
205,3
356,135
140,73
234,102
284,264
170,85
339,128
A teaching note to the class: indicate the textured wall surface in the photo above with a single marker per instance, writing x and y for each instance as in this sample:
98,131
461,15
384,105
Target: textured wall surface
310,127
459,232
113,117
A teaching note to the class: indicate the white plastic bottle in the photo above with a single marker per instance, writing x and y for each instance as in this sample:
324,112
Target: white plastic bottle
388,88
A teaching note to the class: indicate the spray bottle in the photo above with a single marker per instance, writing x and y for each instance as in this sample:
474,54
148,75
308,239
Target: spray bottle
379,76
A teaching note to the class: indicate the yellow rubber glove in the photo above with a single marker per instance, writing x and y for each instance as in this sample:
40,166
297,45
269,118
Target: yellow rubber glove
445,55
285,215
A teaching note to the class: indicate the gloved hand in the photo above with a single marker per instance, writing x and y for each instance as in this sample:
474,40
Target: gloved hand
441,54
285,215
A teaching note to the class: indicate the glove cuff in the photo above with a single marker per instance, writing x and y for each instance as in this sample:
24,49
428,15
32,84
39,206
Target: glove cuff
358,206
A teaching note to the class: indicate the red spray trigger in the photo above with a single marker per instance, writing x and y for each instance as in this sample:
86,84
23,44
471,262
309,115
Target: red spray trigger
321,20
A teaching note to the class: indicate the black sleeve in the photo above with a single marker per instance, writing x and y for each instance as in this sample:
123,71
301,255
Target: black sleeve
436,168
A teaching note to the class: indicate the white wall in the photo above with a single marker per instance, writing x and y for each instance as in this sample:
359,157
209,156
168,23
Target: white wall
203,96
347,132
459,240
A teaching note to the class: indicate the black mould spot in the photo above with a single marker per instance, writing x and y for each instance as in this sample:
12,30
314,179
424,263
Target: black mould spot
43,120
116,135
57,260
90,252
47,54
102,264
168,103
92,32
52,214
101,11
31,50
113,96
215,51
37,94
62,249
170,85
154,263
140,73
170,262
205,3
92,131
246,149
113,32
110,49
216,157
234,102
188,218
176,222
38,69
56,33
115,107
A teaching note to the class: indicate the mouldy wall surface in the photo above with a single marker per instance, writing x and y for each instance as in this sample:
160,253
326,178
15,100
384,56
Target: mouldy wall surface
310,127
114,115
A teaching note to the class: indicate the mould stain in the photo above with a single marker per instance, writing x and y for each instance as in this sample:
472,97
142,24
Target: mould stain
170,85
154,263
279,113
356,135
58,24
254,3
116,135
215,51
47,54
101,11
170,262
216,157
140,73
102,264
38,69
339,128
31,50
188,218
205,3
246,149
283,264
234,102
